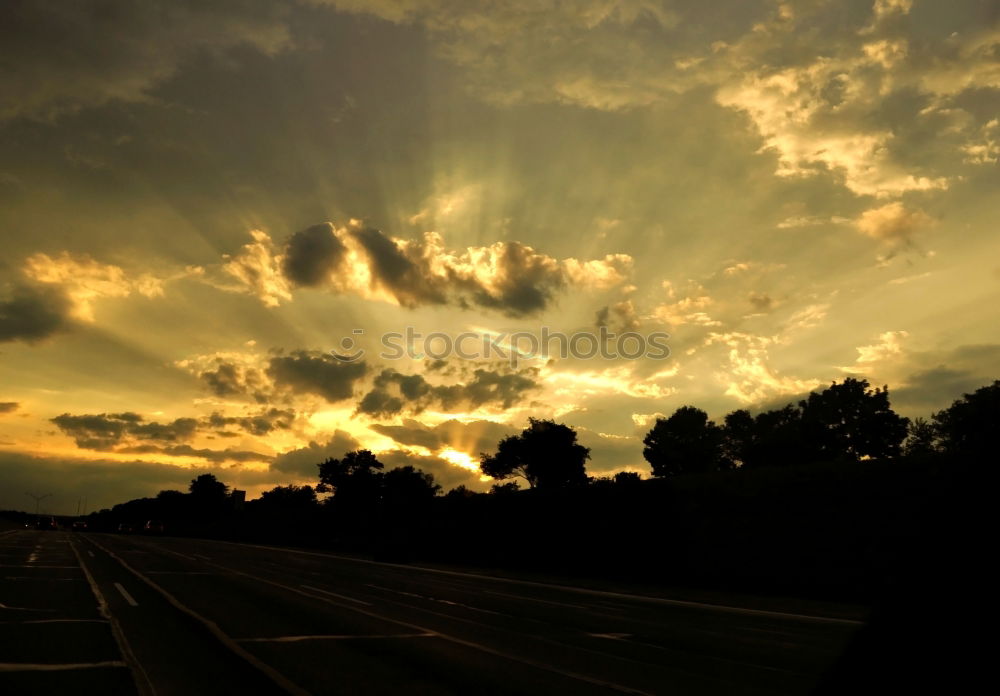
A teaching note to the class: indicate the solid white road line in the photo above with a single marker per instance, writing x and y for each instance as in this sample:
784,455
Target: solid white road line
125,594
665,601
338,596
277,677
296,639
417,628
143,685
30,667
50,621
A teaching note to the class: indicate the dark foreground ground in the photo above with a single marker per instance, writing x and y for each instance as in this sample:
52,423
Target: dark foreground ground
93,613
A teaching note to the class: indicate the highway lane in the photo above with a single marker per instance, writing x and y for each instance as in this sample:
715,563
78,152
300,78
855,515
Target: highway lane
55,633
238,617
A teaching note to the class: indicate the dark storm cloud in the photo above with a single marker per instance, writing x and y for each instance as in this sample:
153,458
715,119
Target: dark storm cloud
394,392
303,462
73,55
312,255
934,386
106,430
8,406
311,372
523,281
473,437
509,277
130,433
525,284
29,313
256,424
226,455
409,280
229,379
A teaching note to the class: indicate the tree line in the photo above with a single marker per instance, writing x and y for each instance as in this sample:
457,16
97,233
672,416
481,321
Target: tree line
818,497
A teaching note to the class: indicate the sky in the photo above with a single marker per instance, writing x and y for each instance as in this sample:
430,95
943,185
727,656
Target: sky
211,215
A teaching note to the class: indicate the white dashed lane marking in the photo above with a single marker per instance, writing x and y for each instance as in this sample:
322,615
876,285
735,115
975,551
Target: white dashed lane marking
125,594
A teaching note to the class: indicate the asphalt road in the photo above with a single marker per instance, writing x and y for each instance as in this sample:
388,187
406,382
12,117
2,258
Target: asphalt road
93,613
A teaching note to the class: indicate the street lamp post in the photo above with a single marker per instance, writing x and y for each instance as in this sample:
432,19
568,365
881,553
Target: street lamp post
38,500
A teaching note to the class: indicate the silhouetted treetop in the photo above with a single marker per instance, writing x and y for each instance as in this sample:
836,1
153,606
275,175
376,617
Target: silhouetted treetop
545,454
286,498
852,421
408,486
970,425
207,488
686,442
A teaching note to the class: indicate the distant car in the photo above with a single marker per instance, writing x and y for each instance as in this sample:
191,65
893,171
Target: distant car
125,528
79,526
153,527
47,524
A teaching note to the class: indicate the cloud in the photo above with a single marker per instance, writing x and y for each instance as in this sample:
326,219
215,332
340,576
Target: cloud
889,347
394,392
687,310
869,100
985,149
226,455
261,423
509,277
83,280
131,433
749,377
257,269
860,93
933,380
303,461
621,316
592,53
760,302
232,379
8,406
31,313
893,225
312,372
313,255
610,454
72,56
470,437
446,473
105,431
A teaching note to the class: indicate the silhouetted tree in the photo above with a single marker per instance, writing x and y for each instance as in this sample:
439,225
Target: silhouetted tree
356,478
285,499
461,492
406,487
739,437
686,442
172,504
504,488
777,439
626,478
969,427
208,488
921,439
851,421
546,454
